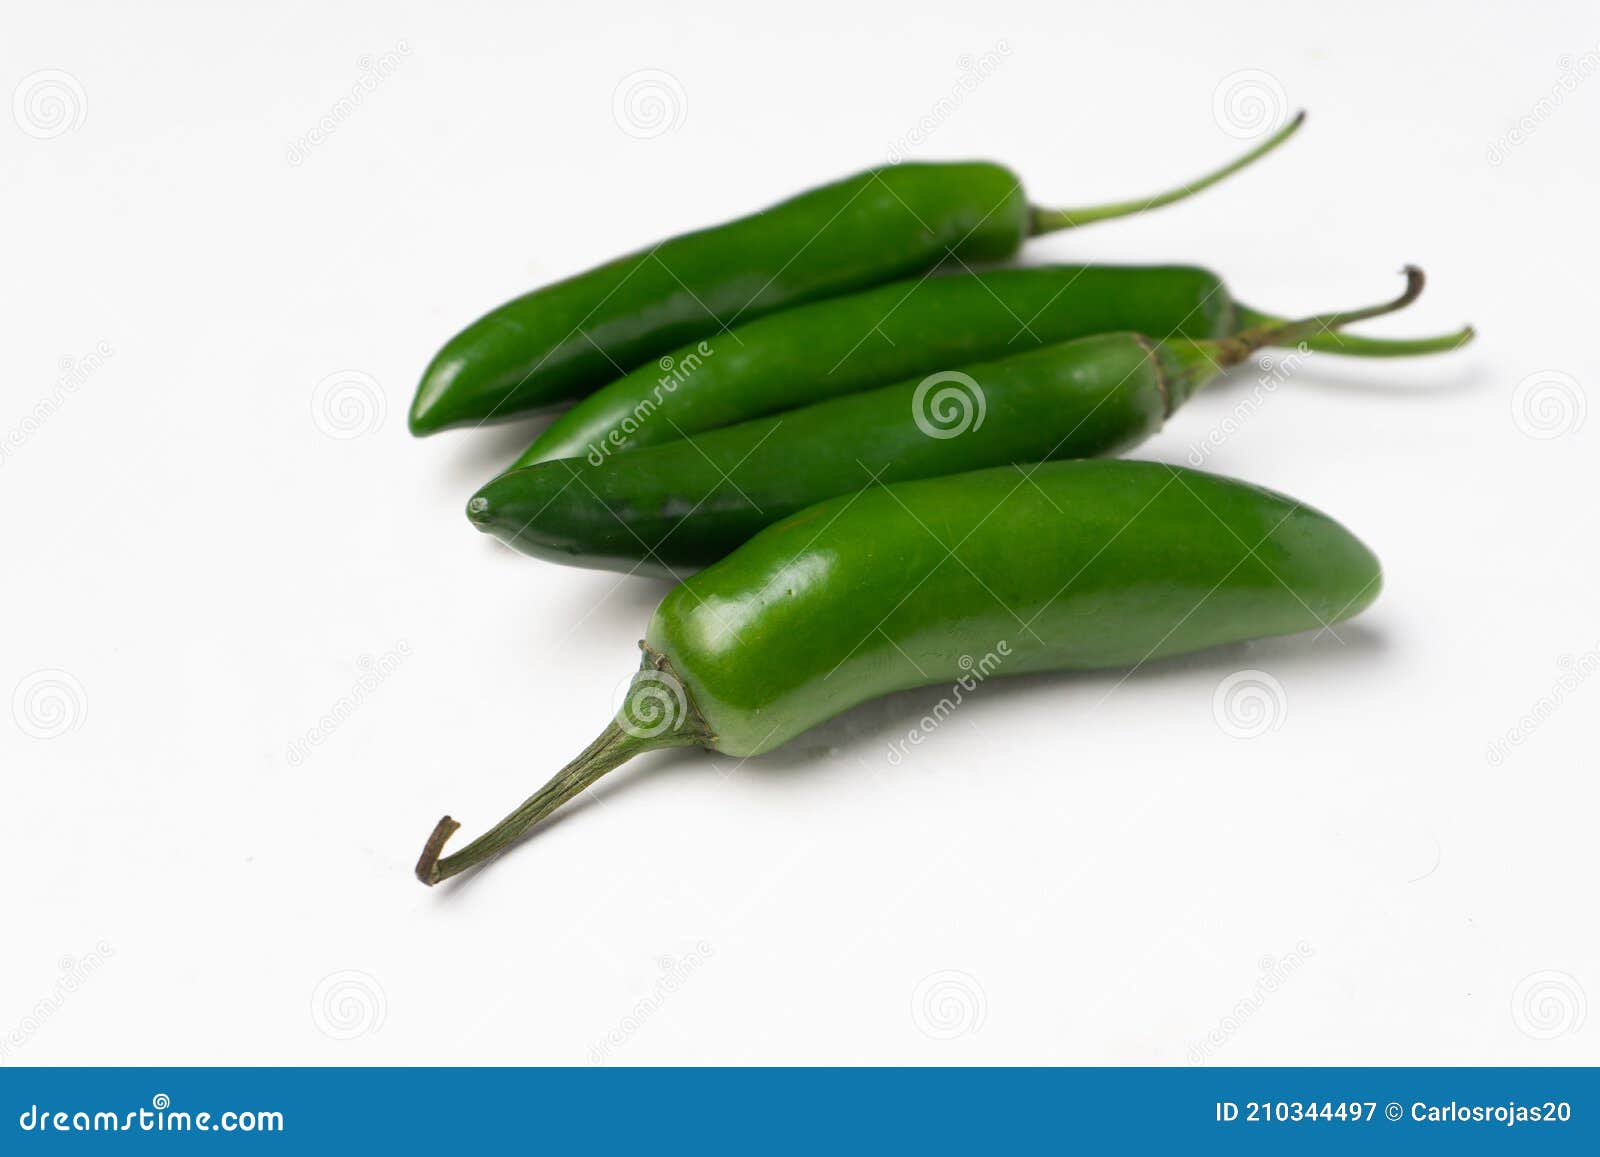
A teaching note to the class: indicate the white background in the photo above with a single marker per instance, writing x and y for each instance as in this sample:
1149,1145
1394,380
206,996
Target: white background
198,566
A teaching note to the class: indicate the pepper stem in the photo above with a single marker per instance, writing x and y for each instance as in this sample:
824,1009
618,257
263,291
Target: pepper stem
657,714
1230,351
1353,345
1051,220
1186,365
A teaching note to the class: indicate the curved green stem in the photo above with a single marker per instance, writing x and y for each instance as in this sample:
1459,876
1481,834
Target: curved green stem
1353,345
1233,350
658,714
1051,220
1186,366
613,748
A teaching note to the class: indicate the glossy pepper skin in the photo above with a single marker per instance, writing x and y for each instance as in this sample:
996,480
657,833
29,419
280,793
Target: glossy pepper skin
1074,565
566,339
685,504
878,336
561,341
1062,566
862,340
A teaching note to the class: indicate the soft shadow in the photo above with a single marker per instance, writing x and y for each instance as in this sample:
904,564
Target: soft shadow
1391,382
637,593
864,728
634,596
486,451
843,741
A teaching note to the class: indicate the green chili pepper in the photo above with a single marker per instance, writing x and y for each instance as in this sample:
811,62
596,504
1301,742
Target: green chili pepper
1067,565
562,341
847,344
685,504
